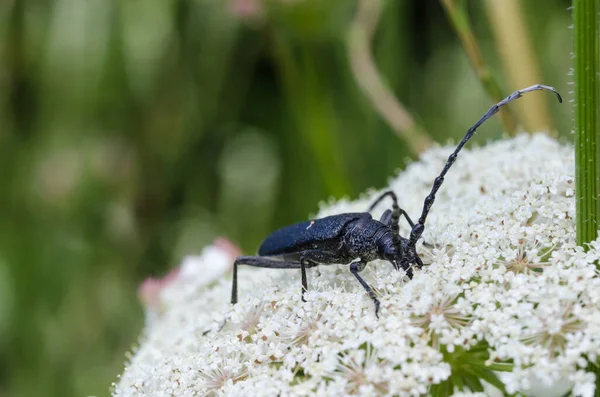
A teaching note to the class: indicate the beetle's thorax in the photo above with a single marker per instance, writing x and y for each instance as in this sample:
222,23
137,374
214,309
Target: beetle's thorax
368,239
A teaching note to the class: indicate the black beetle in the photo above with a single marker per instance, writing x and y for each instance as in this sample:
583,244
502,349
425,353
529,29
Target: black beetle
357,238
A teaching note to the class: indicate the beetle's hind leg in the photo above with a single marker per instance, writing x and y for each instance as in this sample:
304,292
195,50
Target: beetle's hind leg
258,261
308,259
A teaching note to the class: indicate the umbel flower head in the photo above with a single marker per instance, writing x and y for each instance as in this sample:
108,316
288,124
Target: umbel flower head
506,302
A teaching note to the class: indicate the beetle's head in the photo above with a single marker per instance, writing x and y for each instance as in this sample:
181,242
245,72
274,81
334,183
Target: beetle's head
401,255
391,252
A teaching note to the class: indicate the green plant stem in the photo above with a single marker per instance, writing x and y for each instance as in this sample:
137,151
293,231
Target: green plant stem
455,9
368,78
587,106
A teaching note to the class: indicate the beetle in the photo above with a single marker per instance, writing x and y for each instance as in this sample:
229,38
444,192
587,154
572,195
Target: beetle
356,238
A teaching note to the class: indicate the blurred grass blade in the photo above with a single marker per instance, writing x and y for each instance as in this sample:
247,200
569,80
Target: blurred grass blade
457,14
368,78
514,44
587,109
309,100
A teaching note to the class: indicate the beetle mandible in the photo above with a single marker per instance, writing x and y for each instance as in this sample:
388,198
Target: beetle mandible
357,238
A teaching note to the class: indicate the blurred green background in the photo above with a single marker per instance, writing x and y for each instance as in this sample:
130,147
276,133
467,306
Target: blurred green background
135,132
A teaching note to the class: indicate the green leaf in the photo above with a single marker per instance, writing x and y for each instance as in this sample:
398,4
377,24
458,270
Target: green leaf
487,375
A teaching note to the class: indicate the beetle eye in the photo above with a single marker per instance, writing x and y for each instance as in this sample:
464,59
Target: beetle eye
389,254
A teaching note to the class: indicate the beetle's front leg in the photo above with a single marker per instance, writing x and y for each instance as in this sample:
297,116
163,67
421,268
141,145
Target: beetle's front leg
311,258
419,262
355,268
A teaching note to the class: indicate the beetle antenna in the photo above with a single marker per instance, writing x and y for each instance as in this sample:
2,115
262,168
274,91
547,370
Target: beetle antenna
419,227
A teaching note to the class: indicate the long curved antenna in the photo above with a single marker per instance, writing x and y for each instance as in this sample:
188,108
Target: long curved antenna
419,227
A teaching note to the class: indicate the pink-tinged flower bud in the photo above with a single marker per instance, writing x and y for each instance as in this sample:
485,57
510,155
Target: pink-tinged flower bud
246,9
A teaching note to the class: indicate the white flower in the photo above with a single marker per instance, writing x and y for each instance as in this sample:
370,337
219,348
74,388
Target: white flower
504,286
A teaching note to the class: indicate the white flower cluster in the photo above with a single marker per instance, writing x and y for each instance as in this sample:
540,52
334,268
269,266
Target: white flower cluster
505,287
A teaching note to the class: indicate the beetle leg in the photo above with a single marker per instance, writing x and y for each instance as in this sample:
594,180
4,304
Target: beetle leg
386,218
383,195
304,280
393,220
312,258
419,262
385,214
356,267
263,262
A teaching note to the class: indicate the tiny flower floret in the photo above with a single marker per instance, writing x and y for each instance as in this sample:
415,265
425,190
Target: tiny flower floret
504,286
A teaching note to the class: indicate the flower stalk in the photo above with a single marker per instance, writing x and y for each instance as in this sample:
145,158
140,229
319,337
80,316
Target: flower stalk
586,31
